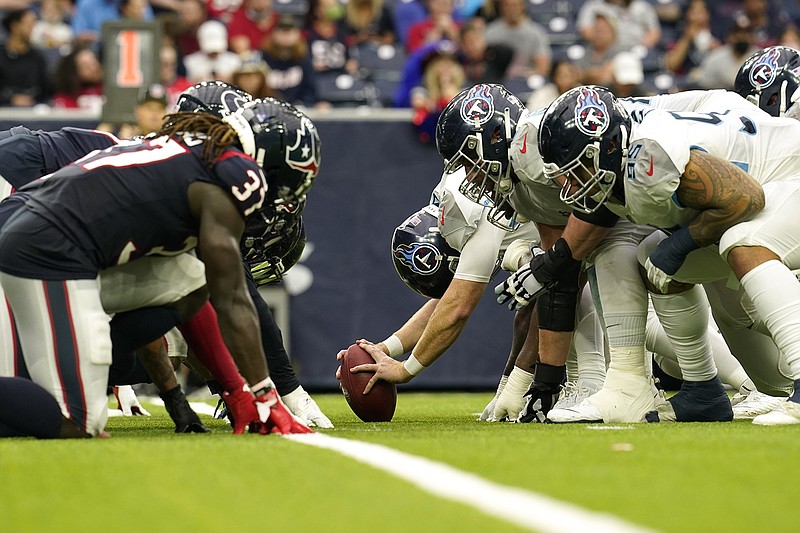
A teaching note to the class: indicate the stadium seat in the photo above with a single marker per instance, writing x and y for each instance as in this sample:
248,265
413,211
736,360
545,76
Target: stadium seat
296,8
381,61
342,90
562,30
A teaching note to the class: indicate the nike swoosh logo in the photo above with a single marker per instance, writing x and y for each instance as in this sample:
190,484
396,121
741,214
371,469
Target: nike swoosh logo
650,172
524,144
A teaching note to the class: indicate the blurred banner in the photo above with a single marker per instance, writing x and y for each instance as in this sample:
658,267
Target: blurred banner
374,174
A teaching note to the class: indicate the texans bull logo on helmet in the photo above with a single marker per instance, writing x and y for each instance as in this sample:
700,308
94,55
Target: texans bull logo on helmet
303,154
478,106
232,100
422,258
591,114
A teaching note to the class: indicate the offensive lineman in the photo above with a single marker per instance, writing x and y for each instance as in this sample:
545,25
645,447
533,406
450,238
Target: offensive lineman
702,198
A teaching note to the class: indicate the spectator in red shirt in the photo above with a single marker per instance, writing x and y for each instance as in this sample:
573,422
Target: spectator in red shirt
183,29
439,25
79,81
251,25
223,10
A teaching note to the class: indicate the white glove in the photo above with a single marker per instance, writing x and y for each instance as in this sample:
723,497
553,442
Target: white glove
512,398
489,409
303,406
657,277
127,402
517,254
522,286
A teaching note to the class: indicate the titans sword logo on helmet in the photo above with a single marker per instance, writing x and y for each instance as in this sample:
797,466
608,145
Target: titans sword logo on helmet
591,114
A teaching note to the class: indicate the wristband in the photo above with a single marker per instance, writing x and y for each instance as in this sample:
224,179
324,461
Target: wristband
394,345
413,366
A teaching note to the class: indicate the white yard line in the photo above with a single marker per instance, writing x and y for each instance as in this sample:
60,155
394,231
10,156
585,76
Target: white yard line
521,507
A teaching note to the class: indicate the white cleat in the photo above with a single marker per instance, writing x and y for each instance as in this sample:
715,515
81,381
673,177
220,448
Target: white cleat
303,407
573,394
625,397
754,404
785,414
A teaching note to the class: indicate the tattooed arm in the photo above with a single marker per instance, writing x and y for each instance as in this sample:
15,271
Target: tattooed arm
723,193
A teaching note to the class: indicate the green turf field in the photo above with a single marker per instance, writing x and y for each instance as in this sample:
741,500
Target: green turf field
669,477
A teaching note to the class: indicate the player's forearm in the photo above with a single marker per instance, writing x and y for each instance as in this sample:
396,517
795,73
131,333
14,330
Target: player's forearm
448,320
410,332
583,237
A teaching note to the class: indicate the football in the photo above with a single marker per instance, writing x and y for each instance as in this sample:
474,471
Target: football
379,404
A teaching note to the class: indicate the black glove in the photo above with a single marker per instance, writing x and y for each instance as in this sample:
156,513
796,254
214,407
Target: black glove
543,393
186,420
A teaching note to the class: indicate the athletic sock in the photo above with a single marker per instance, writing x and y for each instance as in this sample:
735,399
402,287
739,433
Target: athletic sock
729,369
684,318
204,337
775,293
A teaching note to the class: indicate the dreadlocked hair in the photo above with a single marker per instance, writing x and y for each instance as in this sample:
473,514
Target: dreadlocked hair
217,136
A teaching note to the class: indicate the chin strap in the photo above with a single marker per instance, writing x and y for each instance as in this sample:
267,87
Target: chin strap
243,130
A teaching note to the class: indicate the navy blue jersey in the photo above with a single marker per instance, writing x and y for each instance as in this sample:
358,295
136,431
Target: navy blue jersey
26,155
120,204
62,147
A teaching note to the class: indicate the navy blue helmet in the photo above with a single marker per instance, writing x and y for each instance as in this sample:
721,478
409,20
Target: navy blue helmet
474,131
421,256
284,142
214,97
769,79
583,139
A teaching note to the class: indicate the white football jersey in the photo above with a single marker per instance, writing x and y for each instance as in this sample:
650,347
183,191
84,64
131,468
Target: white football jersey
464,226
697,101
535,197
764,146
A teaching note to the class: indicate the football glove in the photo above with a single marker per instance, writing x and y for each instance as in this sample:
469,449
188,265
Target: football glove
543,393
273,415
128,403
303,406
522,287
668,257
241,408
512,398
179,410
487,412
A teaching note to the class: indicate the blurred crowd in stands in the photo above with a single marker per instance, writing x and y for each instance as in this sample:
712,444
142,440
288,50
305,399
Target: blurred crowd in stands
392,53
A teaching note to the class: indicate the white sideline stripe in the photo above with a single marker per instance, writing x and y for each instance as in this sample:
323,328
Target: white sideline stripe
521,507
202,408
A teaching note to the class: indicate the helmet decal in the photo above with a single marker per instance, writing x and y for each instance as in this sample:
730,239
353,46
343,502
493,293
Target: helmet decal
232,100
591,114
422,258
764,71
302,155
478,106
